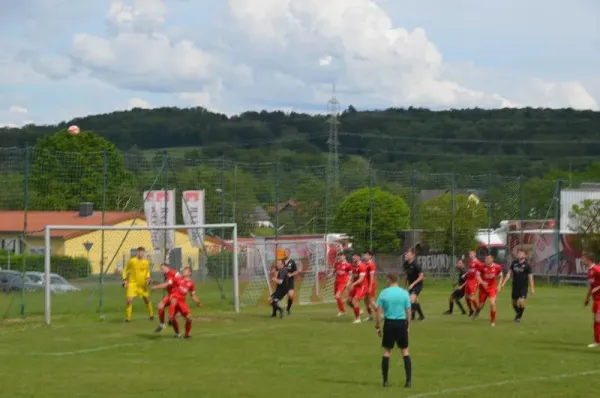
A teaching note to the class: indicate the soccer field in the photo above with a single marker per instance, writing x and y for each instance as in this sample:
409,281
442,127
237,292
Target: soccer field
309,354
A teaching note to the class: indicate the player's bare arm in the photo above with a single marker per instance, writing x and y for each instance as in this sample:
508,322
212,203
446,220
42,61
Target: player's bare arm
419,279
360,279
160,286
278,281
372,276
481,281
196,300
590,291
500,283
506,278
531,284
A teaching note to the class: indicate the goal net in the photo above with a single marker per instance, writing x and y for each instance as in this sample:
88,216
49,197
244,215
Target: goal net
83,266
313,284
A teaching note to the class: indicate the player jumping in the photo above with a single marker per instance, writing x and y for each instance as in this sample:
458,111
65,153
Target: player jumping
371,284
489,287
169,275
473,279
342,281
181,286
593,292
358,288
136,277
281,280
459,290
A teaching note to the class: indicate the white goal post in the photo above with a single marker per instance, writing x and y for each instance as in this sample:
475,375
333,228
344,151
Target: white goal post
90,229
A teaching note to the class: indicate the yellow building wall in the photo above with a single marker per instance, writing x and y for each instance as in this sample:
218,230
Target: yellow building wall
118,245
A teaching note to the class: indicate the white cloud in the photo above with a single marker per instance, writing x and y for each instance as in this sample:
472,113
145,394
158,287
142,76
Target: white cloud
287,54
17,109
139,103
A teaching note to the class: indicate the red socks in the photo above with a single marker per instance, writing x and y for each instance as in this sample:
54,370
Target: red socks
175,325
356,311
188,327
492,316
340,304
597,332
161,315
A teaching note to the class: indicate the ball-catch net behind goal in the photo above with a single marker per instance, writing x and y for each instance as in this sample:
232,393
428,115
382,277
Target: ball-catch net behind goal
90,260
313,284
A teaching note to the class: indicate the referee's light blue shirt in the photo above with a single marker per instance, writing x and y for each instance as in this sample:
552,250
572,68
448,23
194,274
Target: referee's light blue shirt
394,301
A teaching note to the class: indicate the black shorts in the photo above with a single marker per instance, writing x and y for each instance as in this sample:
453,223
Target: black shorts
290,284
416,290
278,295
519,293
458,294
395,332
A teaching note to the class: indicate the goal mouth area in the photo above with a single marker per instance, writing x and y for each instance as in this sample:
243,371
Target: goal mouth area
107,245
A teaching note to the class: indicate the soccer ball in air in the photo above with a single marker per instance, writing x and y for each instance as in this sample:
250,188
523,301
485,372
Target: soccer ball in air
473,199
73,130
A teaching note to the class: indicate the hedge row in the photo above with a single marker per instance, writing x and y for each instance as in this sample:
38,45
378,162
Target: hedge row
67,267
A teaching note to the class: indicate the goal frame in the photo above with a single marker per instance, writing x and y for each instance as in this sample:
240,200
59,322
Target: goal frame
48,252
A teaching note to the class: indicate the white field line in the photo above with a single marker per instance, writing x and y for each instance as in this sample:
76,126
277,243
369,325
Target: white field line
503,383
141,343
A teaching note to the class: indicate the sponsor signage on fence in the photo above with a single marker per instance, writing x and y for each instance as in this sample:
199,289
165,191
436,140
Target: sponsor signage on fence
193,214
159,210
438,263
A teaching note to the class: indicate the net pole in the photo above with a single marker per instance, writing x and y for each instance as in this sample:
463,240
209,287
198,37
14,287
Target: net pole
370,206
47,254
521,210
452,216
24,239
557,231
236,279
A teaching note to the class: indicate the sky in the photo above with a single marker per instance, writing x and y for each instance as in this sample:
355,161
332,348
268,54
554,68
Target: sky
61,59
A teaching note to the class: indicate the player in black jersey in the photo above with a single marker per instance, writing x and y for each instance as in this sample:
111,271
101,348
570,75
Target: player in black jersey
459,289
292,270
282,281
413,281
522,276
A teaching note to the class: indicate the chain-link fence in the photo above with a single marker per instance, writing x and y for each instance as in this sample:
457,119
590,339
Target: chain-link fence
441,215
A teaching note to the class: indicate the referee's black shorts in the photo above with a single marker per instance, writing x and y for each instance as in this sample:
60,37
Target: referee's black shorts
519,292
278,295
395,332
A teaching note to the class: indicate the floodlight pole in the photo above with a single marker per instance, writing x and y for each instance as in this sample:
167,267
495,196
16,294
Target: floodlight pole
47,254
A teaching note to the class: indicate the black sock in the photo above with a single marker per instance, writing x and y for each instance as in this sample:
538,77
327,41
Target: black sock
275,306
407,368
520,313
516,308
385,366
462,309
451,307
419,310
289,303
413,308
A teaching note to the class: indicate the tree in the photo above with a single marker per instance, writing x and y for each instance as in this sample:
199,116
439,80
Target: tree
436,216
585,220
390,216
68,170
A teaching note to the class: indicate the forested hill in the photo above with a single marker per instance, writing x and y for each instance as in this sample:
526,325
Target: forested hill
465,141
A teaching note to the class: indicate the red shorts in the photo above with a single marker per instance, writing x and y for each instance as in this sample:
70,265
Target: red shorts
339,286
484,294
182,308
358,293
470,288
596,306
166,301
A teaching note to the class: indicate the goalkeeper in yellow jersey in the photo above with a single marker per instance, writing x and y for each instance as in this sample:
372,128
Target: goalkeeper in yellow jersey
136,277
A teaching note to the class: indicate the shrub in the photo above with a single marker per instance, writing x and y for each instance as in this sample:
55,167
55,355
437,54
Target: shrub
67,267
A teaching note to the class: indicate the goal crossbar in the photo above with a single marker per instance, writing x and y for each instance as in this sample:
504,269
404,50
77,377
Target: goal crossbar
48,251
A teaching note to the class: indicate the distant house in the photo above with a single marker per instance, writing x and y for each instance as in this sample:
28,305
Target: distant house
290,207
260,217
72,243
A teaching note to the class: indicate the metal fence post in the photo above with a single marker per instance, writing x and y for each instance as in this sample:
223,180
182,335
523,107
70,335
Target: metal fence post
413,209
557,230
25,226
371,205
452,220
102,242
521,209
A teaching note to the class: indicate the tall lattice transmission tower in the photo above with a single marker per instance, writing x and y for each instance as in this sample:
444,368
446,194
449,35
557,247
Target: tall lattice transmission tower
333,161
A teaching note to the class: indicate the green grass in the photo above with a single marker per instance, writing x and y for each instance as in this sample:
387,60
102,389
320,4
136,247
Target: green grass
310,354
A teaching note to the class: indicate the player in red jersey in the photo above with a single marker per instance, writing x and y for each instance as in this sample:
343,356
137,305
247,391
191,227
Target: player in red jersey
489,287
168,274
342,280
593,292
181,286
358,288
371,284
472,281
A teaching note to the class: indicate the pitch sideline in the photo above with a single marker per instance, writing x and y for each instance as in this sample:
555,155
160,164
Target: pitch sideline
503,383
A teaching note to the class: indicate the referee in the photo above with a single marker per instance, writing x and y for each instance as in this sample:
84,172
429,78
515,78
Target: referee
394,307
